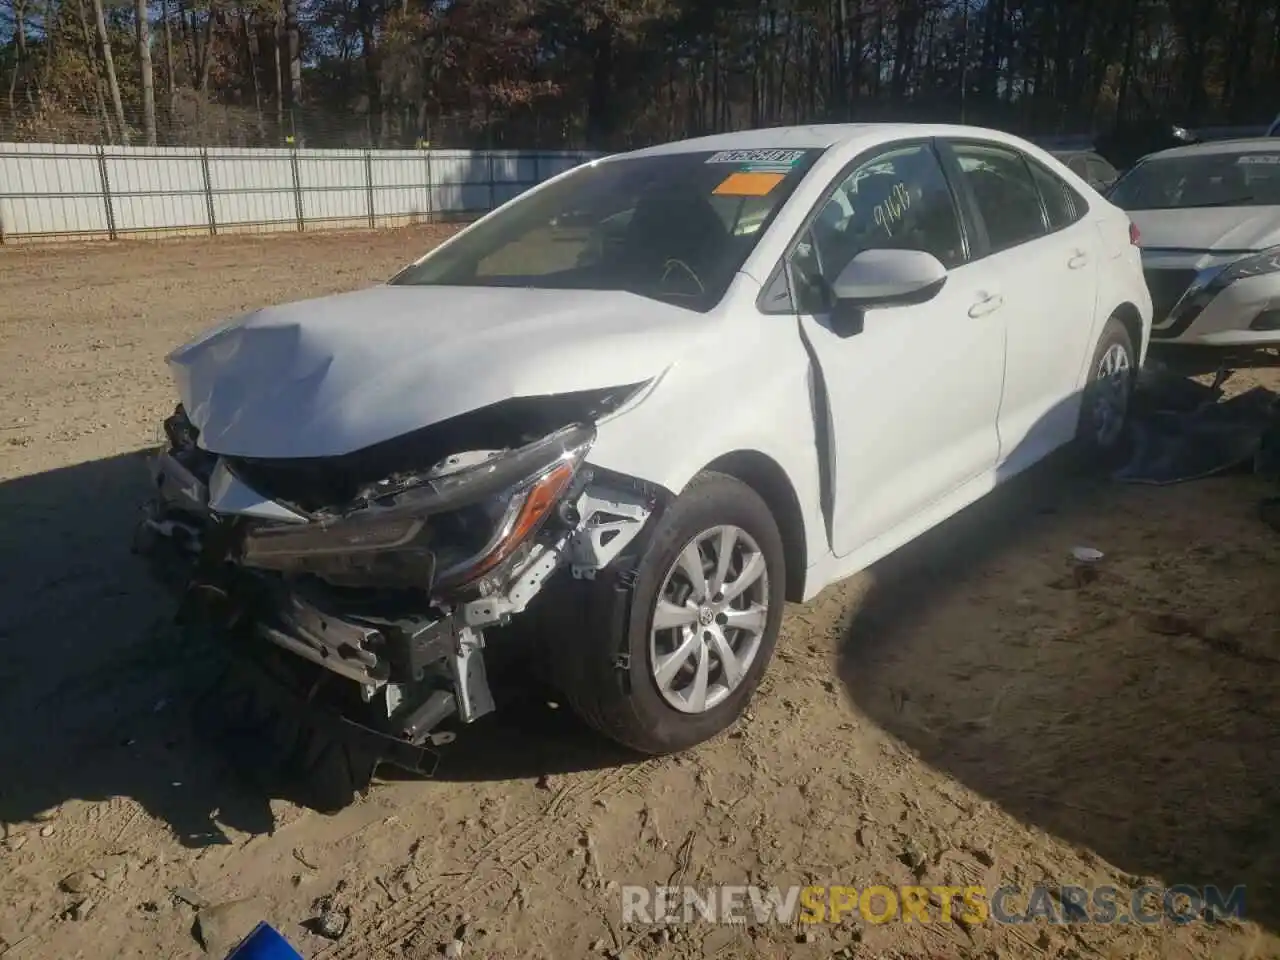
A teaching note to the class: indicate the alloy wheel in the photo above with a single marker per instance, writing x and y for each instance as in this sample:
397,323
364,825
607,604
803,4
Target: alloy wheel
709,619
1111,389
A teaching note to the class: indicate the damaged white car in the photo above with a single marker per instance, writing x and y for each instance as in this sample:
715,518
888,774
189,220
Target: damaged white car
642,405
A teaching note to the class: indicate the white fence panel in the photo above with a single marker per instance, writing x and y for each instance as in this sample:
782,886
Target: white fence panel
252,188
54,189
162,189
50,191
399,181
460,181
333,185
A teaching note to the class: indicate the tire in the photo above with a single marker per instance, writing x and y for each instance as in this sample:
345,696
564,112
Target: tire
1093,442
603,663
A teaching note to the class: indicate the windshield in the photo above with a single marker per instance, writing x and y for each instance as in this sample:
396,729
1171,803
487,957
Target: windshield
674,227
1201,180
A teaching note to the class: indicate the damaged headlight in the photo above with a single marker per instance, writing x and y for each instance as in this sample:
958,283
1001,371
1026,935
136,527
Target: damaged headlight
427,529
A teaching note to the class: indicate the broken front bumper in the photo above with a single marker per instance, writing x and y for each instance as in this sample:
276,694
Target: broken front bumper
413,661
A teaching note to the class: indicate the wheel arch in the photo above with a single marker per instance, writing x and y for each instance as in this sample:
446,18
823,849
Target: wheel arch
766,477
1127,313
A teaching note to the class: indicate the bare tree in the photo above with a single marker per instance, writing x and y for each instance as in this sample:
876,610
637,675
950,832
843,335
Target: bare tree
144,68
100,100
109,65
20,49
295,58
170,79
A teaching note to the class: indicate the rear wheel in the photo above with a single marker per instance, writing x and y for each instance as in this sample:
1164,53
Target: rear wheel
1108,393
676,642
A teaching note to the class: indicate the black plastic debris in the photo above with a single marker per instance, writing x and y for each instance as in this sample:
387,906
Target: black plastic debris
1184,430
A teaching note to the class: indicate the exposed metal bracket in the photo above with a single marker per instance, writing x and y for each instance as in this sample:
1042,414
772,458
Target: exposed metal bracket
470,682
611,519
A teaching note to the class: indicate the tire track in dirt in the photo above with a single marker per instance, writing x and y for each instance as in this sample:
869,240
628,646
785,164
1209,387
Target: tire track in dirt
521,846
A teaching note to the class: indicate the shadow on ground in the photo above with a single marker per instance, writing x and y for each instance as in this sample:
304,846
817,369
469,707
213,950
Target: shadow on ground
1135,714
97,686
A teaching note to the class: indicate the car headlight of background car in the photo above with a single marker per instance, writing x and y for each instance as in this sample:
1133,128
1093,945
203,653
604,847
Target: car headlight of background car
1254,265
424,531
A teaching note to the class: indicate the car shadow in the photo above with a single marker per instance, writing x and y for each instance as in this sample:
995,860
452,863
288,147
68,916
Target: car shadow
1127,706
98,688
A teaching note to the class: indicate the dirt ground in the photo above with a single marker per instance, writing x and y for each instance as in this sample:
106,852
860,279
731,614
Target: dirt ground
964,713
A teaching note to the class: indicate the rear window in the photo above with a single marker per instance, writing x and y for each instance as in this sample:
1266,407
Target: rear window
1061,203
1237,179
674,227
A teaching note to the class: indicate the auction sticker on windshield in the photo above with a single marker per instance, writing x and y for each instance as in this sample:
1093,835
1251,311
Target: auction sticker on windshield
748,184
784,158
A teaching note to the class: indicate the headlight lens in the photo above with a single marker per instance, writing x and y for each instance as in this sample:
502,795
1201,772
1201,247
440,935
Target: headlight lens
1254,265
413,530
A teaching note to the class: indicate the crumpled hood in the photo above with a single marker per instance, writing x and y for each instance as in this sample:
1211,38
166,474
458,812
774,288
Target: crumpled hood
329,376
1213,229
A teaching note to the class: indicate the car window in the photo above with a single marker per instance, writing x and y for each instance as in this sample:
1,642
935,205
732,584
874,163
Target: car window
1059,199
674,227
899,199
1005,194
1227,178
1079,166
1100,171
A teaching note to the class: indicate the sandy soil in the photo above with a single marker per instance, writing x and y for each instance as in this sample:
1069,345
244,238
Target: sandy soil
965,713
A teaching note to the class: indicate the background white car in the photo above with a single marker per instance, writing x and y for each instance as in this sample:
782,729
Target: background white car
1209,218
670,390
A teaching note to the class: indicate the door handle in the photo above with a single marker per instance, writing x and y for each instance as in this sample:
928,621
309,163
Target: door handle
988,304
1078,259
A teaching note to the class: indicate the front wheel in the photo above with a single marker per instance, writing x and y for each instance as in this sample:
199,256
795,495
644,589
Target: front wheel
675,645
1108,393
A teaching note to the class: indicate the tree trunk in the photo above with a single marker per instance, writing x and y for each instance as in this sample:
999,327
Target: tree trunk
143,26
251,53
113,86
279,72
20,52
206,50
170,79
91,49
295,62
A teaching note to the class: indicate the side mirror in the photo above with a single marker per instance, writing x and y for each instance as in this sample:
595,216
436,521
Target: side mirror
884,278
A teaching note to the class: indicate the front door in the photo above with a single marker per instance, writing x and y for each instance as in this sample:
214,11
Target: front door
914,394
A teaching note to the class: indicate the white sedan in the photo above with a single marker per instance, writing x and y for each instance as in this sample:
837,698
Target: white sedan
642,405
1209,218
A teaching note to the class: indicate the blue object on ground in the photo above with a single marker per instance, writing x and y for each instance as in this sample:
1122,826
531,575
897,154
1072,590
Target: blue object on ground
264,943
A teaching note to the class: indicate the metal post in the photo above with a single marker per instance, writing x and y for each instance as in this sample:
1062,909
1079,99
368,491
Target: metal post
964,61
431,201
368,182
106,191
297,187
208,191
493,198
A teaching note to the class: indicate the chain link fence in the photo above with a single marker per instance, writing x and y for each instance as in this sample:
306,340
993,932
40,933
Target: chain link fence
189,119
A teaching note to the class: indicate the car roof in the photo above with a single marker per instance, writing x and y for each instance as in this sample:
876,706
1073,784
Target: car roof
820,137
1243,145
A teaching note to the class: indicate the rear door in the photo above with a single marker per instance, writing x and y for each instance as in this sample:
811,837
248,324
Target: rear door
1045,252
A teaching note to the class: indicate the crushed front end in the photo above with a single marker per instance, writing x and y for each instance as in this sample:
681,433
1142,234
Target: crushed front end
367,582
